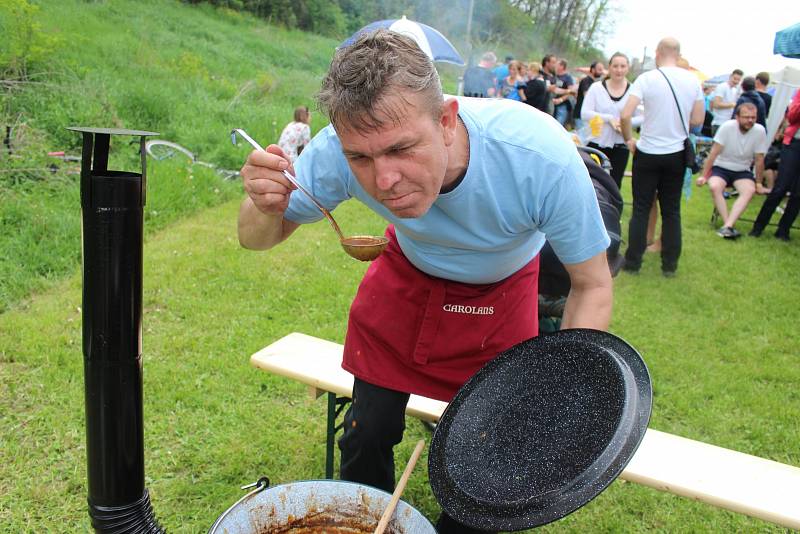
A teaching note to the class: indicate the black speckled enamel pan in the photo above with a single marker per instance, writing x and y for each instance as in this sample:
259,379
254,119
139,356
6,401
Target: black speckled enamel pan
540,431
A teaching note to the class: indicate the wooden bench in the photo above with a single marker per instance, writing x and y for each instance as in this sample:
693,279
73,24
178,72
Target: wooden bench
721,477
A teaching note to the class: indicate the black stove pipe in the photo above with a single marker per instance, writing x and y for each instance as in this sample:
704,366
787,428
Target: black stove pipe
112,215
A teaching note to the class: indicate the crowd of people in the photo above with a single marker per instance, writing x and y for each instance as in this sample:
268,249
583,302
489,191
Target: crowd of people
730,116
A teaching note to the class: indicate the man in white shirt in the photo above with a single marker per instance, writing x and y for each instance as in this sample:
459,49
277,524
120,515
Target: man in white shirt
738,145
724,98
658,157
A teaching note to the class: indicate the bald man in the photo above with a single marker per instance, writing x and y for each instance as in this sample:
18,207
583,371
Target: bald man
673,102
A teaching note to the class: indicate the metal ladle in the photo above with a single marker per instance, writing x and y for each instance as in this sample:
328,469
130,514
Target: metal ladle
360,247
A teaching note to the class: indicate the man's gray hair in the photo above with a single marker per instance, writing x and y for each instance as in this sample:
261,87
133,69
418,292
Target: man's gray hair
489,57
378,65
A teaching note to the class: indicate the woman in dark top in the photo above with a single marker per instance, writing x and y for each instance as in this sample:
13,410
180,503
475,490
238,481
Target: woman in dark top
535,90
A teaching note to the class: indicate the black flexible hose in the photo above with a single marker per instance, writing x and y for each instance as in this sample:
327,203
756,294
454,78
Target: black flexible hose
136,517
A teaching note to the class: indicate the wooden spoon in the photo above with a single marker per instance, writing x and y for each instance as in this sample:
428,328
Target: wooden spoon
387,514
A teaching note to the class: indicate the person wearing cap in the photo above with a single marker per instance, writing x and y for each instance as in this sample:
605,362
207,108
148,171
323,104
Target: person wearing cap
469,187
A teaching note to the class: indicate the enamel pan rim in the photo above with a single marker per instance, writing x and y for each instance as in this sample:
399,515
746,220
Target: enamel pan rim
573,493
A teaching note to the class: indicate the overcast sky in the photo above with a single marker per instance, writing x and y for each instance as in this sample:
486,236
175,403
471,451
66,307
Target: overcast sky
716,37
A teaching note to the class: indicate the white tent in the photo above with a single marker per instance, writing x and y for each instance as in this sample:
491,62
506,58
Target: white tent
787,81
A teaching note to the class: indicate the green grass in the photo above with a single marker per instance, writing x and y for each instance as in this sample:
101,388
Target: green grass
190,73
40,235
718,339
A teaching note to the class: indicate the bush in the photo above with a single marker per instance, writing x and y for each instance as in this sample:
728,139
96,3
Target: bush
23,45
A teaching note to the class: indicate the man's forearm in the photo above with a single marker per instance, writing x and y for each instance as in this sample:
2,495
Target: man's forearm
626,126
759,167
718,103
258,230
590,308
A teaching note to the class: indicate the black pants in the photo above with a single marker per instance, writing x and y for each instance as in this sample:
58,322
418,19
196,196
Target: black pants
373,424
788,181
656,176
618,156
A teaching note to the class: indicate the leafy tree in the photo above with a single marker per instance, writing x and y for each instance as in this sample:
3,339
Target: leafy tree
525,28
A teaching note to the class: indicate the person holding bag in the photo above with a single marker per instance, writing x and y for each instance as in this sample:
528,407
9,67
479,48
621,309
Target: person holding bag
670,95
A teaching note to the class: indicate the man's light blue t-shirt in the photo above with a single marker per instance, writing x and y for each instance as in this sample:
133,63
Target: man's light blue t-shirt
525,181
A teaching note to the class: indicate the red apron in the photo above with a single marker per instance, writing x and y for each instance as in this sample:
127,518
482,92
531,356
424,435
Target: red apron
415,333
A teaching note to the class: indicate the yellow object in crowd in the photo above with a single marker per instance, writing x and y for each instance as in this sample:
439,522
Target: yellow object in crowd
596,124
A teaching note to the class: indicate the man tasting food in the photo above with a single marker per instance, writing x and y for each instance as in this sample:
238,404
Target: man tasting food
470,188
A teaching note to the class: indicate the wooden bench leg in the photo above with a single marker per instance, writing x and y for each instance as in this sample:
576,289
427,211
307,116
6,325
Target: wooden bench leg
335,407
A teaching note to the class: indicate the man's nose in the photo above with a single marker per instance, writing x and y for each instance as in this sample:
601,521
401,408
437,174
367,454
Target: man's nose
386,175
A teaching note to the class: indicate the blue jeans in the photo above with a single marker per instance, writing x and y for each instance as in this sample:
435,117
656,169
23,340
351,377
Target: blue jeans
561,113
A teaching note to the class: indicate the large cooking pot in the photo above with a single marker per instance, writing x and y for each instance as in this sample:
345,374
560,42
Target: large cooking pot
540,430
317,506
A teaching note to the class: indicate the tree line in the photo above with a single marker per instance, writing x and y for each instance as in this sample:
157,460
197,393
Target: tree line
560,26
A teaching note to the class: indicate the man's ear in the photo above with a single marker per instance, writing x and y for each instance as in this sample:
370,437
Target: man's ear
449,120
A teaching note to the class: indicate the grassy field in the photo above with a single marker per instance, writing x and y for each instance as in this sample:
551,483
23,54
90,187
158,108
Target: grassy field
719,339
190,73
720,342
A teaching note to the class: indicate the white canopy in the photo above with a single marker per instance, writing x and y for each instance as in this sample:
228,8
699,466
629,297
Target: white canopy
787,81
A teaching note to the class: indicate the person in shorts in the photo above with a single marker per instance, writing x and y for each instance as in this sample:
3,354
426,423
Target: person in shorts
739,145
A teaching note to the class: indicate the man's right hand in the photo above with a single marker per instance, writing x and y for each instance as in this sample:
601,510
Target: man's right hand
264,182
707,170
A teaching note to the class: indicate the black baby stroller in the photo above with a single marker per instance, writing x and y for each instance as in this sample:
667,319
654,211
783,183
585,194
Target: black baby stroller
554,281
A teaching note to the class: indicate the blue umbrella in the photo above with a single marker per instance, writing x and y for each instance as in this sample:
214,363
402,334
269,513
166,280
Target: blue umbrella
429,40
787,42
